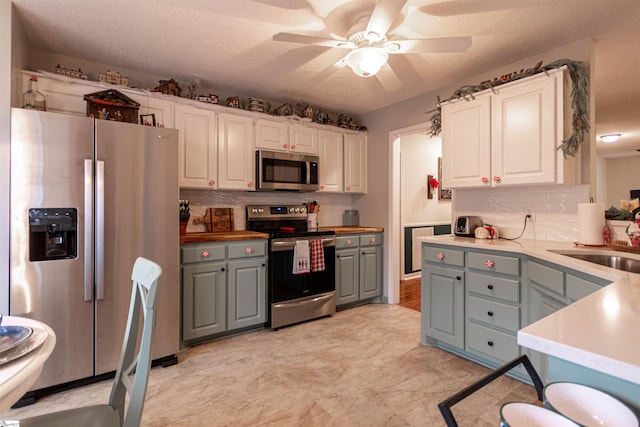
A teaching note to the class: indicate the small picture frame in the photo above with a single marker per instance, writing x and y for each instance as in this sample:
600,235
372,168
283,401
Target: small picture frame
443,193
148,119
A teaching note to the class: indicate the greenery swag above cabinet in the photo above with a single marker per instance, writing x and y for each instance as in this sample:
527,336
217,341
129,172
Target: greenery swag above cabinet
509,135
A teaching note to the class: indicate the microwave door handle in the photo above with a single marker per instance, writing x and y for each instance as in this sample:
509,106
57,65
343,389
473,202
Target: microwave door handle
308,162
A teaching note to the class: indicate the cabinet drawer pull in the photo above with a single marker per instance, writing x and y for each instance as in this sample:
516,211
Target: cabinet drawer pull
458,278
248,250
349,242
490,343
205,254
440,256
489,263
490,287
490,313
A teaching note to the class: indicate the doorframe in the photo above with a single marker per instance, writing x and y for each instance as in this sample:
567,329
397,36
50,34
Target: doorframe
395,228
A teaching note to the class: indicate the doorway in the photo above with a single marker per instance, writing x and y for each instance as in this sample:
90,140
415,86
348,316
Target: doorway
413,156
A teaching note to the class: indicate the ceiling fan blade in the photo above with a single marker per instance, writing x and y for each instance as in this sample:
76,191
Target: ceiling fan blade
312,40
388,78
431,45
383,15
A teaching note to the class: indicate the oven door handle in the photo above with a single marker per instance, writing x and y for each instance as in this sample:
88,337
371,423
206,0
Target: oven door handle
287,245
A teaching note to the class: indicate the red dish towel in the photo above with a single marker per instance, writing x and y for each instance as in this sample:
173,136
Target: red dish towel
317,255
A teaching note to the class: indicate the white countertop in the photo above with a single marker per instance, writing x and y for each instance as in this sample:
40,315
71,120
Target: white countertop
600,331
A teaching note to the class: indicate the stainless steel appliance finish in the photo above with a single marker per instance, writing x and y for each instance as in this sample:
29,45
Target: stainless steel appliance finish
294,298
120,180
618,262
465,226
286,171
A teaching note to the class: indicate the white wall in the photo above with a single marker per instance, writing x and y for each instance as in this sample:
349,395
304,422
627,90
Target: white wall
419,158
623,174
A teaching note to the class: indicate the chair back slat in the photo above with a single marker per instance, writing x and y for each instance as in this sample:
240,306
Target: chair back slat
133,370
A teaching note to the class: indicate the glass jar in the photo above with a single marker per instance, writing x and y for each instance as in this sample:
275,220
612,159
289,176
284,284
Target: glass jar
34,99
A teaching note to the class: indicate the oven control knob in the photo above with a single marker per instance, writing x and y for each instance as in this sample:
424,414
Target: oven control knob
290,210
254,210
260,210
303,210
297,210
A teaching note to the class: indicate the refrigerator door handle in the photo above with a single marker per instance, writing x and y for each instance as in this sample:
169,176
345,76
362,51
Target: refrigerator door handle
100,229
88,229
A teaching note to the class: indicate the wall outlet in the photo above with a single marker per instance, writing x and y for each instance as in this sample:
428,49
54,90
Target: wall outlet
531,212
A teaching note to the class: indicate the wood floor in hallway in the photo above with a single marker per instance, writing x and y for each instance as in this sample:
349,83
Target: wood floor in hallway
410,293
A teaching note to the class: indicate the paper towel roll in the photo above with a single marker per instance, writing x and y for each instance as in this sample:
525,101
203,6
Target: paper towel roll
590,223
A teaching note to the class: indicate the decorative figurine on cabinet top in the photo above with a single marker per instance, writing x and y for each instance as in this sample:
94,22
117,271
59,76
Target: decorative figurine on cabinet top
112,105
169,87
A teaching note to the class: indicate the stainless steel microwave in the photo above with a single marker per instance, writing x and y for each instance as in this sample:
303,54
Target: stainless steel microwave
286,171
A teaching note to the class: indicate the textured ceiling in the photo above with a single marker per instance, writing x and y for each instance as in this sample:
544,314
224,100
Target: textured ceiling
228,44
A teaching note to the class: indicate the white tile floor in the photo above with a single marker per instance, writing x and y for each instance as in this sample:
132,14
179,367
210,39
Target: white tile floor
362,367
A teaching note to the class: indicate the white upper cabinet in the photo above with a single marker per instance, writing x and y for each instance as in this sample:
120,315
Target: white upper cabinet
466,142
235,152
197,138
272,135
331,153
508,136
355,163
162,109
303,139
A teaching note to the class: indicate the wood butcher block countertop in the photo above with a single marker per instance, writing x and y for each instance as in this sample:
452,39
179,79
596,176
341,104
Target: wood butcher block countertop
343,229
221,236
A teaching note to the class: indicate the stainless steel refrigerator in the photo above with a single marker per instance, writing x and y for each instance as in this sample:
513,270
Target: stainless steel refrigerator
87,198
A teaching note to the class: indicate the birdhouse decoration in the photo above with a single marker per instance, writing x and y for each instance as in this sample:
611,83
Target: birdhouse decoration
169,87
112,105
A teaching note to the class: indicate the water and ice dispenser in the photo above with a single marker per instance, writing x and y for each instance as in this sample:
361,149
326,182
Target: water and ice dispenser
53,233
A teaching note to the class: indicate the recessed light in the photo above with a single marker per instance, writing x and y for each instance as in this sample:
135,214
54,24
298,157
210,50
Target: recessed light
612,137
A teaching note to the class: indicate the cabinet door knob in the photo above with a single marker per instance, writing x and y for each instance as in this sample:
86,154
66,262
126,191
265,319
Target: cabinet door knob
490,287
490,343
293,146
264,265
458,278
337,256
250,184
285,145
490,313
212,182
222,269
496,179
484,179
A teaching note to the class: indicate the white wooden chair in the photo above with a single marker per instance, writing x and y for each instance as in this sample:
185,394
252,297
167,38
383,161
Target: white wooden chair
133,370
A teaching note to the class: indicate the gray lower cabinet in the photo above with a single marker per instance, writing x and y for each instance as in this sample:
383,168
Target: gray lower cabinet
358,268
492,306
551,288
474,301
223,287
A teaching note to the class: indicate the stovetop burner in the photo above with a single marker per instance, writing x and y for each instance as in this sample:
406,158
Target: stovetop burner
281,221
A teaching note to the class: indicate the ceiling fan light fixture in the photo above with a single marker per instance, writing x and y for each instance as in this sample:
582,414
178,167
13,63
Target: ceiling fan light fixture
366,61
612,137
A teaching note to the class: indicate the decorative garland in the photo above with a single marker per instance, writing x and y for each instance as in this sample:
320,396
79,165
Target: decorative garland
579,100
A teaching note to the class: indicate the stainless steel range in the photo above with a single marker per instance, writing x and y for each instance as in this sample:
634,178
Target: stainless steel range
292,297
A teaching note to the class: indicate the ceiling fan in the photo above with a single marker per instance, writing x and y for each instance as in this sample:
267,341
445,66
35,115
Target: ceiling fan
368,42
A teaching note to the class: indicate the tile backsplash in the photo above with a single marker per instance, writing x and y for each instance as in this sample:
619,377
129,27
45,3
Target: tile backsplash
555,209
331,205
